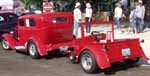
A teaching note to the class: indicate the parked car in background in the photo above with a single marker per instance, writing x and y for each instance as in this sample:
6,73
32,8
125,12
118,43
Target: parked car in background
8,22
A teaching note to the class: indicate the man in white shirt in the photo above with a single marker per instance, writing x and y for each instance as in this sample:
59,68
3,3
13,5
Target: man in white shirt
118,14
77,18
88,16
140,13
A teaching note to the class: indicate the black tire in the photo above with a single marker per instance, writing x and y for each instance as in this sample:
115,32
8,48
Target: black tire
72,58
88,62
5,44
33,50
133,61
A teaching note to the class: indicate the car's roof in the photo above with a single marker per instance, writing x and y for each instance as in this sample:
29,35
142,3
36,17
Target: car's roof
46,15
7,13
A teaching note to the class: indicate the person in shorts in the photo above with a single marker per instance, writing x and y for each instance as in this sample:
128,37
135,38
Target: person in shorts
132,19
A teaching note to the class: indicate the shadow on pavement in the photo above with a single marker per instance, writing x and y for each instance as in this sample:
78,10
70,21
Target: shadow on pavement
120,66
55,54
125,66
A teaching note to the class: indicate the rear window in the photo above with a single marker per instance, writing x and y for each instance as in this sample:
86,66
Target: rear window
30,22
12,17
59,19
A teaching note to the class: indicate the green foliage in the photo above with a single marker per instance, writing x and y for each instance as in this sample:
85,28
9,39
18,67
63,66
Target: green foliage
35,3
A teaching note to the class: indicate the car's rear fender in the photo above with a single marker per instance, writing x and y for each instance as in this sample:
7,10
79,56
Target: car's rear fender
100,56
40,46
11,40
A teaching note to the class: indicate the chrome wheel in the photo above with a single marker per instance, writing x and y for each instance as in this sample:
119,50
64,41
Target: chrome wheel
32,49
5,44
86,62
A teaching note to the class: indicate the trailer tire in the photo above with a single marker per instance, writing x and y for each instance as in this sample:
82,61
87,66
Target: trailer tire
5,44
33,50
88,62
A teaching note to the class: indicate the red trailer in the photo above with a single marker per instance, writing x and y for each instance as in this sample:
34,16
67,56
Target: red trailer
99,48
39,34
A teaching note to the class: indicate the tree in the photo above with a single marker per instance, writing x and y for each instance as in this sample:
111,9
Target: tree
27,3
36,3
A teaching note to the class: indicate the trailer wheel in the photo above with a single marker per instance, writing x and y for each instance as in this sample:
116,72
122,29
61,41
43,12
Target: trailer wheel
88,62
33,50
5,44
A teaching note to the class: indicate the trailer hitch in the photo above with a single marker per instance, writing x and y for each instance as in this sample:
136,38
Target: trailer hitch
66,49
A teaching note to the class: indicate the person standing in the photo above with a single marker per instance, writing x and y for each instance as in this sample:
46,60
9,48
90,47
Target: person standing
140,13
88,16
118,14
77,18
132,19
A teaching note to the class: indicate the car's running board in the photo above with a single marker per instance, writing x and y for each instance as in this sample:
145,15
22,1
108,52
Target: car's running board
20,47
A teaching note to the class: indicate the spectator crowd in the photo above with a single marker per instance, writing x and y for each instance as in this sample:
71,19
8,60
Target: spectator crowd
136,17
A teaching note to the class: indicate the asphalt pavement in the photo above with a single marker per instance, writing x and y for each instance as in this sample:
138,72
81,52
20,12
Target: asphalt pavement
14,63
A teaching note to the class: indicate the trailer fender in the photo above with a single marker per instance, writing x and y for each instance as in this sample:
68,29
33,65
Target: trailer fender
40,46
12,42
100,56
143,54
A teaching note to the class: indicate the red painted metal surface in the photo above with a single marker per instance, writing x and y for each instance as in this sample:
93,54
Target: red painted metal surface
49,34
45,30
108,51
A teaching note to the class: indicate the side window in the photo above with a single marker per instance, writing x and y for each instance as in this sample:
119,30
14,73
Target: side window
59,19
12,17
21,22
30,22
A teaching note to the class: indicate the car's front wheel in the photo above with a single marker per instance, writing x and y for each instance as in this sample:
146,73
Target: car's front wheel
5,44
88,62
33,50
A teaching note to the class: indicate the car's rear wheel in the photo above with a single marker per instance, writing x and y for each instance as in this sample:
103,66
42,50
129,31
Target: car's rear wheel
88,62
5,44
33,50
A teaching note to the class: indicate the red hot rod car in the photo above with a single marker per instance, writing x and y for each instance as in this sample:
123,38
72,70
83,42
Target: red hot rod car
40,33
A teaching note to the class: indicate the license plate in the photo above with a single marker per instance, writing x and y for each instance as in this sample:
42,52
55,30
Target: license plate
126,52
